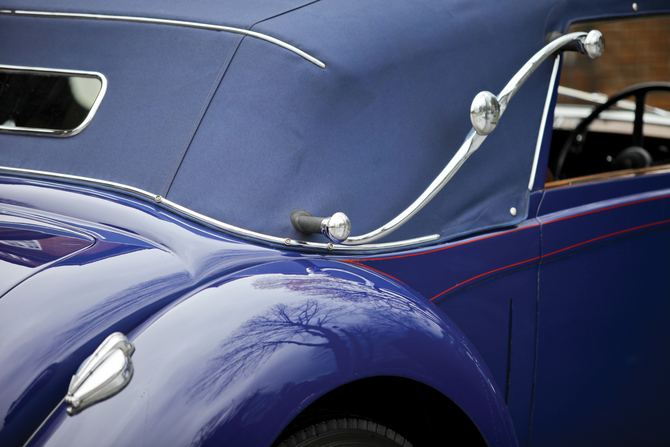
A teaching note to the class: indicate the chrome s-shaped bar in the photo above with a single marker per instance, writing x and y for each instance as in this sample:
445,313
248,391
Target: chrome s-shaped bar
485,111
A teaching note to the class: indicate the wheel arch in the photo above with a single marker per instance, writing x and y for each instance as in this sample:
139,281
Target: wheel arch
355,327
413,409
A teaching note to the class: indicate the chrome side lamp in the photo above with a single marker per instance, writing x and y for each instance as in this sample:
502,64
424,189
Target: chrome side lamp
106,372
485,112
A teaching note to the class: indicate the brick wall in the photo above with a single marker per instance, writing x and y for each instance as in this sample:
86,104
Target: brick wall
636,50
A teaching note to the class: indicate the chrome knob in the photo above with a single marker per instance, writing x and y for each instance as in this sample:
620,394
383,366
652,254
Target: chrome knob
594,44
336,228
485,112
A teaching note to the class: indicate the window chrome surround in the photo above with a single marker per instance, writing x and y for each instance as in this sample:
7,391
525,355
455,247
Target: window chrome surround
543,123
58,72
229,29
213,223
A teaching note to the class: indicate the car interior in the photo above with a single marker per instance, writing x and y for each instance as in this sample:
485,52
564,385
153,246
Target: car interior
612,117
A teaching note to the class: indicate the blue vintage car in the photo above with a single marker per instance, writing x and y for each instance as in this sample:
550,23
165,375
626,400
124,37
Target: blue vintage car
310,223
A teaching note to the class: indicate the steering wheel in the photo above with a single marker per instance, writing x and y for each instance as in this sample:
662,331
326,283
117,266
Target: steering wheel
577,136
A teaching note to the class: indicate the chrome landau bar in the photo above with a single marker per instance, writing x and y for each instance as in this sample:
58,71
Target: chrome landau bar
485,112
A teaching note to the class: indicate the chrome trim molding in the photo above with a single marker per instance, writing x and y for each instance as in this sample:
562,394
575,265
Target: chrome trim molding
208,221
474,139
543,123
72,15
52,132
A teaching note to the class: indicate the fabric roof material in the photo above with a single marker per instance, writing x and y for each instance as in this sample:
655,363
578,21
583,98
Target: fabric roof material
244,131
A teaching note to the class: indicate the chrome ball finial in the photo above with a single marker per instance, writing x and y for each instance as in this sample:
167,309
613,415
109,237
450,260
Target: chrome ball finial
594,44
484,112
337,228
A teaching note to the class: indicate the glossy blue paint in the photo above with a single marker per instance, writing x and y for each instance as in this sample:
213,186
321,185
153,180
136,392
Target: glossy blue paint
145,260
562,199
488,286
603,312
51,321
237,361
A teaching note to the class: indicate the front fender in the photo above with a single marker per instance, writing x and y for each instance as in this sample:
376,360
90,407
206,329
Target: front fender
234,363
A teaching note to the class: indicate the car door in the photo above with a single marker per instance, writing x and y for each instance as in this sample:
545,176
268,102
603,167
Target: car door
604,293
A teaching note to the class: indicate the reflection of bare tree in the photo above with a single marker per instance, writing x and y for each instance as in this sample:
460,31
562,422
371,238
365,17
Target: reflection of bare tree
344,326
304,324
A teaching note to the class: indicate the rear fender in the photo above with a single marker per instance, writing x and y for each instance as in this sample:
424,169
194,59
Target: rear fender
237,361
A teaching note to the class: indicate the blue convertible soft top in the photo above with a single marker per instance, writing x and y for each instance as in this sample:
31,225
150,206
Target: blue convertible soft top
244,131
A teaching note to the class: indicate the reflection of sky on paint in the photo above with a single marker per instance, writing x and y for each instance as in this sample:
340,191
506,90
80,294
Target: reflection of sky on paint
27,247
25,244
276,366
95,319
51,322
168,355
11,274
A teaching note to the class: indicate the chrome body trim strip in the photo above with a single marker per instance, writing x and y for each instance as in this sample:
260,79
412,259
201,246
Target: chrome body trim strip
472,142
222,226
72,15
52,132
543,123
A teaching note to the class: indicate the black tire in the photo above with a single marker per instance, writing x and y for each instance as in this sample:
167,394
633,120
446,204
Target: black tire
346,433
